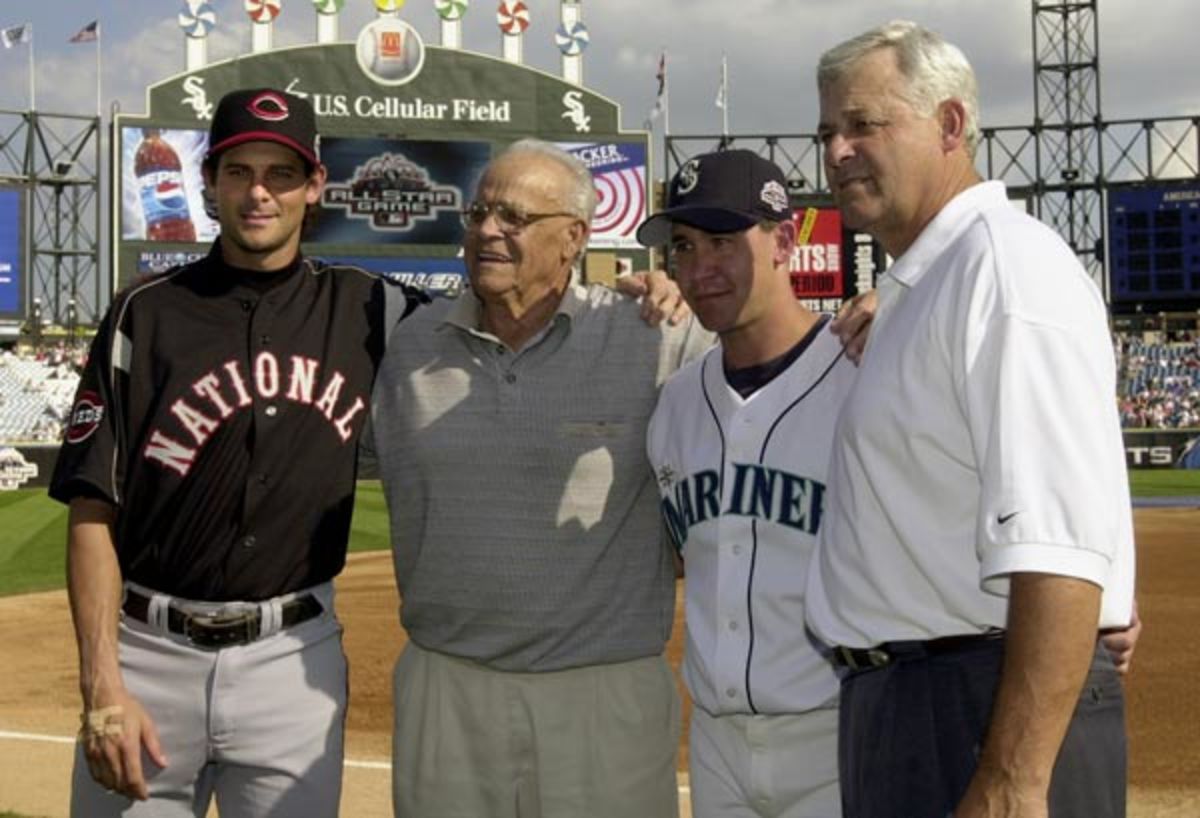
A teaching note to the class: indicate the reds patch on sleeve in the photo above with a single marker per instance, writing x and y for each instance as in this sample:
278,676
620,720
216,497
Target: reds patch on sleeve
85,417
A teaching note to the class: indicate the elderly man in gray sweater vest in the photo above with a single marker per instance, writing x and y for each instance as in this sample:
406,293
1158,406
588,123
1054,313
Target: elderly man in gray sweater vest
537,587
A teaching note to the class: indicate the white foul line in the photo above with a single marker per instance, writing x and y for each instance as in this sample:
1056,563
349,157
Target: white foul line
16,736
36,737
362,765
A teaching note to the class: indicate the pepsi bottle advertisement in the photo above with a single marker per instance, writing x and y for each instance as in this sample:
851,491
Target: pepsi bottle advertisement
162,189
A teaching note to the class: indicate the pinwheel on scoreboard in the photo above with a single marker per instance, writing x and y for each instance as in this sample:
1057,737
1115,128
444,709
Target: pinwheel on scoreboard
329,6
512,16
197,18
263,11
572,40
451,10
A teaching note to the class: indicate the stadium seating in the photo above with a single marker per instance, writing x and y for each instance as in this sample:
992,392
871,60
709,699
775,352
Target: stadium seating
35,395
1158,382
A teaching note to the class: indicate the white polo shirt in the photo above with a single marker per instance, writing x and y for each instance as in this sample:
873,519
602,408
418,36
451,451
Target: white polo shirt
980,439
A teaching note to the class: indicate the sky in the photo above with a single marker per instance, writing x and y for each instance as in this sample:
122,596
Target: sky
1148,67
1148,63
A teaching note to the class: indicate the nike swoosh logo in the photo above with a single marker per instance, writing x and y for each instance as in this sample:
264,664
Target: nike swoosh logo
1004,518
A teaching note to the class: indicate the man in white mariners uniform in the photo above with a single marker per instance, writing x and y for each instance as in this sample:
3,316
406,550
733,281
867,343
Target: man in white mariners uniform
978,528
739,444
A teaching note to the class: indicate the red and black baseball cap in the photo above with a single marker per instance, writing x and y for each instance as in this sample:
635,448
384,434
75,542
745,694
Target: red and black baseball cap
721,192
264,114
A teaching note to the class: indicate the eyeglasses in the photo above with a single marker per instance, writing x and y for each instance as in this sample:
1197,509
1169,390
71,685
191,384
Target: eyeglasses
509,218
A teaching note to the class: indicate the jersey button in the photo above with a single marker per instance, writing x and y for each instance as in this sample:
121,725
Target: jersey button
733,625
271,411
248,541
247,306
731,692
737,549
510,377
262,479
265,340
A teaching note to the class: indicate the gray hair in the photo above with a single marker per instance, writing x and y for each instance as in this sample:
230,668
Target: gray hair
581,199
935,69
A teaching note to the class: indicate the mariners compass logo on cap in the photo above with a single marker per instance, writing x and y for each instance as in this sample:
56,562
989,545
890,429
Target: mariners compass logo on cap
722,192
688,177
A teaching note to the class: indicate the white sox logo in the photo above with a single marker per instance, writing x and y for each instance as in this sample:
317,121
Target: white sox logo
85,417
222,391
197,97
573,100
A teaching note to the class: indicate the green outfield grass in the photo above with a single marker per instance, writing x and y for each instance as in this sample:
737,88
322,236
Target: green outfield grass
33,527
33,531
1165,482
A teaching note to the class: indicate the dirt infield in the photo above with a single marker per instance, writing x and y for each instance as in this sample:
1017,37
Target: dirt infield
38,699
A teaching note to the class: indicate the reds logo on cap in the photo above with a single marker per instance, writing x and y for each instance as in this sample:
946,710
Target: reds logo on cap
268,106
85,417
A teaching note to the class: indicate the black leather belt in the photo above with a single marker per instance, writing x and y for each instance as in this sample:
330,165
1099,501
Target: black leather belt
221,630
888,652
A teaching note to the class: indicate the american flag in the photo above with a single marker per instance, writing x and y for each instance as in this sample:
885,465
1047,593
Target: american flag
88,33
722,100
16,34
660,101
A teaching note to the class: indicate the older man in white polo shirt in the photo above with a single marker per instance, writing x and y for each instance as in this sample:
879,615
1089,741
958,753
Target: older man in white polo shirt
978,530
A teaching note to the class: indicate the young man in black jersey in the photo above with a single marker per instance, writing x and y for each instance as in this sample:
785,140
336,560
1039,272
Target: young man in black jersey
202,539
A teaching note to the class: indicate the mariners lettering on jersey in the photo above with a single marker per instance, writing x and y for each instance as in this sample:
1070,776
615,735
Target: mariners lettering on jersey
219,393
755,490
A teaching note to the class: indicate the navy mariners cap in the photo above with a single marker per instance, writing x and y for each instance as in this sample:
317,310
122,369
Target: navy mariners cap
721,192
264,114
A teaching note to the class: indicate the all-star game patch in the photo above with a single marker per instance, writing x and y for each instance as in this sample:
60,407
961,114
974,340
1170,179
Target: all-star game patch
15,470
85,417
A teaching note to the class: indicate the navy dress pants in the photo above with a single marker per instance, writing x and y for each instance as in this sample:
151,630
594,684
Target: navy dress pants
910,734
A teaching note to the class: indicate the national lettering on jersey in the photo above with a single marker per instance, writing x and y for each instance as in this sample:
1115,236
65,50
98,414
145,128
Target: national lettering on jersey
219,393
755,490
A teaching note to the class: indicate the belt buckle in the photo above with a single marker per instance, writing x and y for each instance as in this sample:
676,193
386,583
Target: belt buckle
870,657
221,630
877,657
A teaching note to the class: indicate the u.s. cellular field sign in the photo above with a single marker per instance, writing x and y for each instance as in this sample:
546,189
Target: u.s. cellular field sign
406,130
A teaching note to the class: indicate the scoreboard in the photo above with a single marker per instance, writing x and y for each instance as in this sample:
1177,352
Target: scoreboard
1154,245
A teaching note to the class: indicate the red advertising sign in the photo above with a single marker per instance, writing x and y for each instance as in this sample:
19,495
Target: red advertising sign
816,267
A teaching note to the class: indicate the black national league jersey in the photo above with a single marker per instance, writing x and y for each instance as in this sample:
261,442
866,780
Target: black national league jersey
220,411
